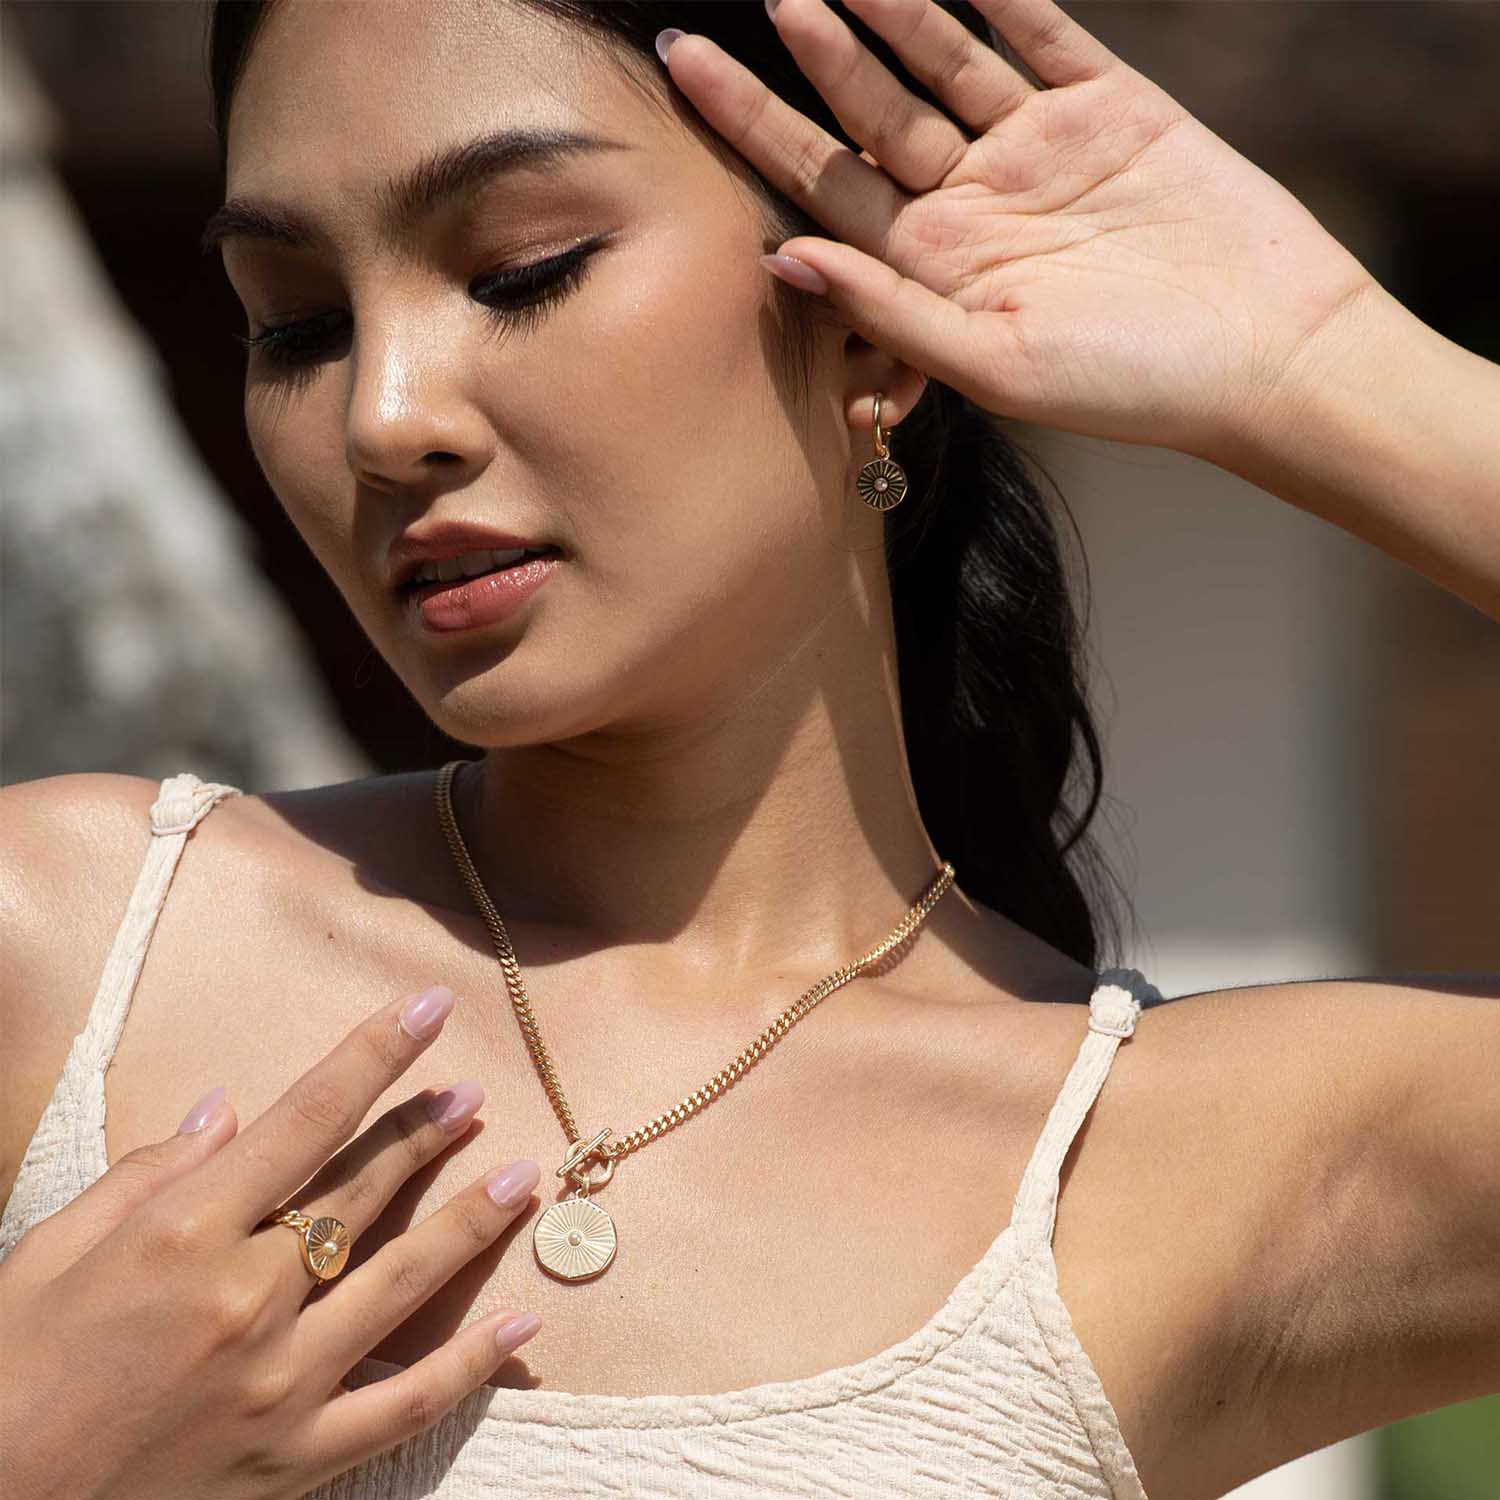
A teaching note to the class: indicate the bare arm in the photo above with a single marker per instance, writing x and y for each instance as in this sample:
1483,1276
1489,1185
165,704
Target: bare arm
1387,429
1367,1278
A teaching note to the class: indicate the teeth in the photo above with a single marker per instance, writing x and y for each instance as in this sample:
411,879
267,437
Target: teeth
469,565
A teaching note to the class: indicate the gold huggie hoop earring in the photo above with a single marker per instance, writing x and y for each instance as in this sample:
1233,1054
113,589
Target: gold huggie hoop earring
882,481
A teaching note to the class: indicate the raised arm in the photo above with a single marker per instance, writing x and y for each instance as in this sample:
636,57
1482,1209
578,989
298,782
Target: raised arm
1351,1127
1087,255
1391,431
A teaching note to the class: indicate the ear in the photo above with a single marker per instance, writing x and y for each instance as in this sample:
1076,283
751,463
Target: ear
867,370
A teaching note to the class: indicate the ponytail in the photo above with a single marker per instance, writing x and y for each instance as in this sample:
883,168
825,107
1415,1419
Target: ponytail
994,705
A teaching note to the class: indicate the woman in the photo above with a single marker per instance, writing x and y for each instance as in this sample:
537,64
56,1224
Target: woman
727,746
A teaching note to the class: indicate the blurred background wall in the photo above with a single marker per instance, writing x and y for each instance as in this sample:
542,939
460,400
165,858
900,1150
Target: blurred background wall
1300,734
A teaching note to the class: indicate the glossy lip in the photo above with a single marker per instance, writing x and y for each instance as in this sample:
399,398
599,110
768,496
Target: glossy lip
444,539
457,605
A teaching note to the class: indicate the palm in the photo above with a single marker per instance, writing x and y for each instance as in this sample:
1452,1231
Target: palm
1151,268
1086,255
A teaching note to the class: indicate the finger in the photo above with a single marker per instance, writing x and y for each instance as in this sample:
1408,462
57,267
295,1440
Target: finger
356,1185
852,199
275,1154
974,353
354,1425
1053,45
359,1309
917,144
66,1236
962,70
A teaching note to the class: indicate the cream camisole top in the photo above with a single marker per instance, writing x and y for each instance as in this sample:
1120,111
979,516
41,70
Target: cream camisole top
992,1396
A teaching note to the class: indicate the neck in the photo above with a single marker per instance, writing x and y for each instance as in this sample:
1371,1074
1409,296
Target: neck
784,831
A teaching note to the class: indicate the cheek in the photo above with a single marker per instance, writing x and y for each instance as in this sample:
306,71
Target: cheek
707,529
681,468
293,445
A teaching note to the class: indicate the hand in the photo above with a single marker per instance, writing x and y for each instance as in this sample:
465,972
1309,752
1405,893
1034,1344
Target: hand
1085,256
149,1301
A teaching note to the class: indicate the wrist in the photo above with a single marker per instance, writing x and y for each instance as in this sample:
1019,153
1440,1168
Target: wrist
1380,425
1331,378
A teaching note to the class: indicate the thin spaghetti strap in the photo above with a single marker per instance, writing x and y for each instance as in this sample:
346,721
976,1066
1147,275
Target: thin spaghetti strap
181,803
1117,1000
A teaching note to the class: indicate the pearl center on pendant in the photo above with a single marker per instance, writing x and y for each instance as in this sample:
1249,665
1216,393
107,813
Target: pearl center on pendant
881,484
575,1238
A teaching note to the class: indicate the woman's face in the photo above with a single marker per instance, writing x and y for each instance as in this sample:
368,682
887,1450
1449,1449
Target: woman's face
637,420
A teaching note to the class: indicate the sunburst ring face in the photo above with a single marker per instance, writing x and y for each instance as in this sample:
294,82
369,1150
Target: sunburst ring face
325,1243
574,1239
881,483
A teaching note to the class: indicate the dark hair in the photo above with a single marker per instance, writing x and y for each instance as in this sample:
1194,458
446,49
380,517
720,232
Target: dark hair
990,650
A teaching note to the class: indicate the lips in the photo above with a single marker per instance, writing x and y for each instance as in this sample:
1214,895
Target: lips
439,541
422,587
443,607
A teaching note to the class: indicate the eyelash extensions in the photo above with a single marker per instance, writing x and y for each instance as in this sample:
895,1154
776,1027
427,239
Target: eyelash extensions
529,292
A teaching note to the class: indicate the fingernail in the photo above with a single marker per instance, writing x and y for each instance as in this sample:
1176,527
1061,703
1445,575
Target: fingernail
664,40
453,1106
771,8
202,1112
515,1331
510,1186
797,272
424,1013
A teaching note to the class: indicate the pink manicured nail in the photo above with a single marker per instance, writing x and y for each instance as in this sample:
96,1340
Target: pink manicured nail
424,1013
454,1106
796,272
517,1330
202,1112
509,1187
664,40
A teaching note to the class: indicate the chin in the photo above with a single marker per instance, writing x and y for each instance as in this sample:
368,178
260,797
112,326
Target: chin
508,703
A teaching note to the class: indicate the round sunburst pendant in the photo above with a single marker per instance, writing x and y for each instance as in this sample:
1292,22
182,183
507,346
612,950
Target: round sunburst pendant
881,483
327,1247
574,1239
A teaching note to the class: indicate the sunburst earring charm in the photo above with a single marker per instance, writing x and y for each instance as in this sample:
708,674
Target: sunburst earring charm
881,482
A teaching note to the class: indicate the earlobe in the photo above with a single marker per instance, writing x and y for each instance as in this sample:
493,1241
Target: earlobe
868,369
900,388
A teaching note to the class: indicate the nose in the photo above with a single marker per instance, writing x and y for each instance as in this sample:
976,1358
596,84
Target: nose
411,420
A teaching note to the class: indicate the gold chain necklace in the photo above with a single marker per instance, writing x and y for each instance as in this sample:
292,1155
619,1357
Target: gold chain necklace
575,1239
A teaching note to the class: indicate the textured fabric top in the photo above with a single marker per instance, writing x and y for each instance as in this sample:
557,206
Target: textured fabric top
992,1396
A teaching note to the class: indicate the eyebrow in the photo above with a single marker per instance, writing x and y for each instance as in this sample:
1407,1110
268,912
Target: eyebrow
443,175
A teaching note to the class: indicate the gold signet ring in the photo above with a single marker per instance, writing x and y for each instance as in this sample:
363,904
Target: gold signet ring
325,1242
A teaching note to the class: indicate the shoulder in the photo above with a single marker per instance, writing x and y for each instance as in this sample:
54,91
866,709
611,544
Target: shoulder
70,846
67,863
71,852
69,807
1330,1150
74,845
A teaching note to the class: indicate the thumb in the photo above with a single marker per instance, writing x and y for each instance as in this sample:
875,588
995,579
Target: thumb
65,1236
907,319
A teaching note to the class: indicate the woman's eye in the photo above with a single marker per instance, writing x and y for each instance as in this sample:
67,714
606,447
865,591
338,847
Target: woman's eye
519,297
